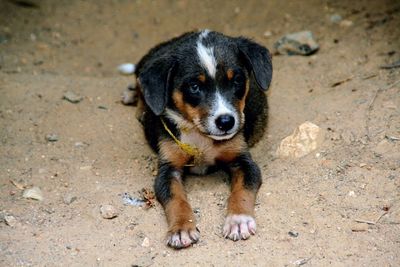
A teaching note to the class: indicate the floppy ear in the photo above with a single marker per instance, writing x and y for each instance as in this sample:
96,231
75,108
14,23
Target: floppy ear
258,60
155,81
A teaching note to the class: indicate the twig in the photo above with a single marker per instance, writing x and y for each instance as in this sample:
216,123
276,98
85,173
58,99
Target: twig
365,221
383,214
393,65
371,222
379,90
371,103
392,138
342,81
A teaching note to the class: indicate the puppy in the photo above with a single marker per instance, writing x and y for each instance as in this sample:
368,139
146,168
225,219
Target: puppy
202,104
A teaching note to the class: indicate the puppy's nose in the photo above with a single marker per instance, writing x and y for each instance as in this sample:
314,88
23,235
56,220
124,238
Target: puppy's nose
225,122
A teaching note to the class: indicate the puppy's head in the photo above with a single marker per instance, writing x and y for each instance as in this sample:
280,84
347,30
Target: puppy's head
202,80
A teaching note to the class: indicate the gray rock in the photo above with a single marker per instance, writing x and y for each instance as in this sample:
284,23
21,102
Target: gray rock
33,193
299,43
293,233
10,220
52,137
68,199
336,18
72,97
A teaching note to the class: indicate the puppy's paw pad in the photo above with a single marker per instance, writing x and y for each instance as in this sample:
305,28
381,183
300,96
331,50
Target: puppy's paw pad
239,226
183,238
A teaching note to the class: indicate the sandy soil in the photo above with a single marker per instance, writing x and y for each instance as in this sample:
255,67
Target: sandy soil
55,46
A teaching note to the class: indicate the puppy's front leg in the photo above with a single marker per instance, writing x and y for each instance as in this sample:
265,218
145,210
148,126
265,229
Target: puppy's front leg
246,180
182,231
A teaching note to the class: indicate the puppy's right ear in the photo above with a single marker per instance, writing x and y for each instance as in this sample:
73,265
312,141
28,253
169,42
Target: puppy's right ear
155,79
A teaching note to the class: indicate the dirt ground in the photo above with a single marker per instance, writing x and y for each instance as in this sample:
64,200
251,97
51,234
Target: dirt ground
49,47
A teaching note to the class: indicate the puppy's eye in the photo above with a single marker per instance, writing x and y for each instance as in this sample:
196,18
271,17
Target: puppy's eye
238,79
194,88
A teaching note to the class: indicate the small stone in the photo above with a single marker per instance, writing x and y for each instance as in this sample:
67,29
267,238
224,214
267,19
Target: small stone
79,144
346,23
126,68
336,18
306,138
10,220
352,194
72,97
68,199
359,227
108,211
42,46
293,233
33,193
267,34
146,242
299,43
52,137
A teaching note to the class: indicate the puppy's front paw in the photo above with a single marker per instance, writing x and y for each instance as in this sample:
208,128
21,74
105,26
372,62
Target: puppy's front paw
183,237
239,226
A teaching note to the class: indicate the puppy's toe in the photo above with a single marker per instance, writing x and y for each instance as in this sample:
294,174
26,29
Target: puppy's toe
239,226
128,97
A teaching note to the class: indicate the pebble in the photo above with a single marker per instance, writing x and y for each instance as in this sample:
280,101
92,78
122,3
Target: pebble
10,220
298,43
359,227
52,137
126,68
33,193
68,199
336,18
3,39
293,233
72,97
267,34
146,242
108,211
306,138
346,23
352,194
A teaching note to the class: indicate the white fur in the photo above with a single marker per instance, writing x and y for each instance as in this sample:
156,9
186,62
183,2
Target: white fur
206,56
222,107
204,33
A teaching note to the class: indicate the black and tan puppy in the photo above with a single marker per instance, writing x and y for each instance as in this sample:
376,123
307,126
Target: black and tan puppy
202,104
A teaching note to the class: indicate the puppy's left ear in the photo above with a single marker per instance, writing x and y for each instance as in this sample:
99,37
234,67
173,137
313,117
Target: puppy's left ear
258,60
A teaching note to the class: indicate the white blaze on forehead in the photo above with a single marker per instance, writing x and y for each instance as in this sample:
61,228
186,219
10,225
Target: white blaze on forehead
204,33
206,55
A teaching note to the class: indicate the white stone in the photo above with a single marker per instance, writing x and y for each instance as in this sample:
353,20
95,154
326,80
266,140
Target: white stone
306,138
126,68
33,193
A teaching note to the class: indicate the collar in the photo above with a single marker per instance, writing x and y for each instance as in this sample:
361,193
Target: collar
187,148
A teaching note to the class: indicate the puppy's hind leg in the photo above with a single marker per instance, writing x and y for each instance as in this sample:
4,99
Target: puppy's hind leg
182,231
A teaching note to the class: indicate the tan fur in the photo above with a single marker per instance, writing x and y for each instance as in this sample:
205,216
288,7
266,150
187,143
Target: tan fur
178,211
242,102
202,78
241,200
229,74
171,152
